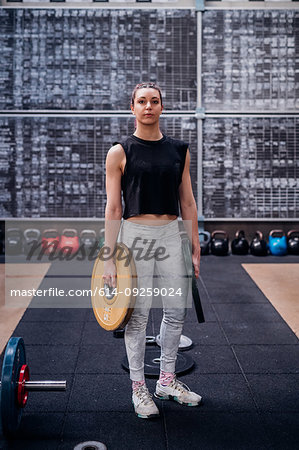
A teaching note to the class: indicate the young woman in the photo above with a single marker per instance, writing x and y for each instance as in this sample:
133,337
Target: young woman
152,171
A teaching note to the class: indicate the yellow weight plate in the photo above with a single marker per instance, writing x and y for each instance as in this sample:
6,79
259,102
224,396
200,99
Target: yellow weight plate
115,312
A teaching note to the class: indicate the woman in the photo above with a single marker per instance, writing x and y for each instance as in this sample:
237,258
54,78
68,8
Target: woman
152,171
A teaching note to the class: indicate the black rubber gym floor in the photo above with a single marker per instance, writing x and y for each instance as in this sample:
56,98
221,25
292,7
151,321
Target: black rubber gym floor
246,368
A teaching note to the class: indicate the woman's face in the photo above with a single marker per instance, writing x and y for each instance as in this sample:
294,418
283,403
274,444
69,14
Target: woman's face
147,106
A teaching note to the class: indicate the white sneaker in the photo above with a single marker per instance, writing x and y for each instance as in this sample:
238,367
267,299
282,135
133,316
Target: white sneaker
143,403
179,392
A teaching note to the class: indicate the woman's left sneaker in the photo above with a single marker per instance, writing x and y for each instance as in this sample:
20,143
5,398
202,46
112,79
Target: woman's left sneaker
144,405
179,392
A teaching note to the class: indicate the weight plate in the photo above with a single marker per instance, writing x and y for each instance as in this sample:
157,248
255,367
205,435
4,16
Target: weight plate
185,342
150,340
22,393
90,445
14,359
184,363
114,309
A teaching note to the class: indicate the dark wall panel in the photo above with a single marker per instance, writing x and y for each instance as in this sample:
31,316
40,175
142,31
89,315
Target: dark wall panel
250,60
91,59
251,167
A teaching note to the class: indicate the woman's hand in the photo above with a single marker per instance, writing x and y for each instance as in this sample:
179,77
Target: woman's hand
109,275
196,260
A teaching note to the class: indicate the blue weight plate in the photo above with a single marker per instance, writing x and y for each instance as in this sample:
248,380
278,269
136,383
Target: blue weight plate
184,363
14,358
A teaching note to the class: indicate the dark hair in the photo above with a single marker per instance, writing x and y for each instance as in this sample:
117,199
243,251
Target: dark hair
146,85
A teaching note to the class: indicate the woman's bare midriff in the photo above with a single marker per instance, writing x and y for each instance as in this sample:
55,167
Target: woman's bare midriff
152,219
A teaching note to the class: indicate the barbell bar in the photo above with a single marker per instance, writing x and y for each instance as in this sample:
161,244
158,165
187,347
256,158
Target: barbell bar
47,385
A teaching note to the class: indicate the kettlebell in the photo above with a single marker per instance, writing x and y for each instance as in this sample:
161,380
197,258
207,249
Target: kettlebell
204,240
31,238
293,242
277,242
258,245
240,245
14,241
219,243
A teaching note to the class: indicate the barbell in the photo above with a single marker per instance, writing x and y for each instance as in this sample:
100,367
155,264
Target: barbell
15,385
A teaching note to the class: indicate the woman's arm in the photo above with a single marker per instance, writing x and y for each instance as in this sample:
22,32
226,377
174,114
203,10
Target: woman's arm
189,212
113,211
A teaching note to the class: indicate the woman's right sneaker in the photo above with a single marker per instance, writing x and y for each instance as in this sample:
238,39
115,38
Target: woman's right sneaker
143,403
178,391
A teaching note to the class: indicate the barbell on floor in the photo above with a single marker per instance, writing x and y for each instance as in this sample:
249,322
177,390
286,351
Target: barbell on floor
15,385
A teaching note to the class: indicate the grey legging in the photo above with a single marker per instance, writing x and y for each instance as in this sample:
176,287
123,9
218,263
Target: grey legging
169,272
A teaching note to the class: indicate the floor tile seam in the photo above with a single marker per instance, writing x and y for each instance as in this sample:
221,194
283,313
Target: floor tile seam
71,411
214,373
240,303
72,381
239,373
51,321
87,373
268,437
281,412
107,411
229,410
101,373
241,345
200,410
148,346
88,411
149,378
266,302
162,410
267,345
271,373
248,373
261,322
58,344
252,344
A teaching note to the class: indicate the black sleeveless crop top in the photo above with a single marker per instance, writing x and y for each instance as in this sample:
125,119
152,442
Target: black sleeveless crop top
152,175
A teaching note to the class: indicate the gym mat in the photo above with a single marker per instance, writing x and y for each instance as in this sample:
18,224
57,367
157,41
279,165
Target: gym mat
280,284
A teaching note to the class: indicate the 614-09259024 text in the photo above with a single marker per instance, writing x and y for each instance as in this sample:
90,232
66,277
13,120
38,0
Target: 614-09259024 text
56,292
